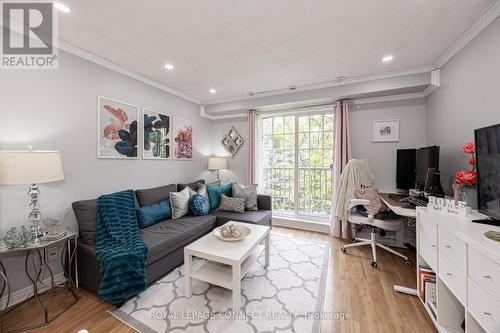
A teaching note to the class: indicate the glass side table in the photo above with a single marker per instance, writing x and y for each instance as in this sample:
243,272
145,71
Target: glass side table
36,266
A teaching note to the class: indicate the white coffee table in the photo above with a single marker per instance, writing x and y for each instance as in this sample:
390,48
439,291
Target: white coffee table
226,262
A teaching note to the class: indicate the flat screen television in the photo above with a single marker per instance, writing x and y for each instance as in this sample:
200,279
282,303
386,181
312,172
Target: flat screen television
488,172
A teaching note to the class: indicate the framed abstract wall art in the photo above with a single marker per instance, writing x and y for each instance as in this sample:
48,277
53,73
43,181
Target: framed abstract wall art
386,130
117,128
182,139
157,135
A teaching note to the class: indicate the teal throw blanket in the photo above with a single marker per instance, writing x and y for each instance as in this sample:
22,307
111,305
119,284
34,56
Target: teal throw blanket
120,250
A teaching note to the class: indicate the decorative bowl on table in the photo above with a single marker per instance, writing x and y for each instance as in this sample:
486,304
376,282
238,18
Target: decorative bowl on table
232,232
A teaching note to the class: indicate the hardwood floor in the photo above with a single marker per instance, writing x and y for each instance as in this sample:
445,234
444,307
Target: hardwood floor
354,288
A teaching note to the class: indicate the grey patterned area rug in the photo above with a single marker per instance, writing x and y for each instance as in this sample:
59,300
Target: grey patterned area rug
287,297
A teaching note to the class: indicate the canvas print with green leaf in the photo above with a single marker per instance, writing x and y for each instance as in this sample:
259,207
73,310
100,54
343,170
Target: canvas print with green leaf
156,135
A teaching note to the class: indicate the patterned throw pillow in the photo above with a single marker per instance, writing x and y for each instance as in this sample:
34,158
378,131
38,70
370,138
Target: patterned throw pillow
228,204
198,205
248,192
214,193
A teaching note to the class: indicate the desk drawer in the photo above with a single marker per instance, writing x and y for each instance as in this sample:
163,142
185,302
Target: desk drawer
485,272
453,248
454,278
484,307
428,245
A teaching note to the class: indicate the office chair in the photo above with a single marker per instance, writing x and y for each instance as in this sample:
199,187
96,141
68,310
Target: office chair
391,224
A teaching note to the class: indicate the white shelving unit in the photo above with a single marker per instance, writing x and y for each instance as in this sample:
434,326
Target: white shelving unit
467,267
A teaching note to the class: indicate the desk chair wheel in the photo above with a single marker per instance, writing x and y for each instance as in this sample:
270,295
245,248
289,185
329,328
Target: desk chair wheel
408,263
374,264
343,249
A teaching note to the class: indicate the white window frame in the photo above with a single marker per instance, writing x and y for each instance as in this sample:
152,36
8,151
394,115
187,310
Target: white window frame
301,221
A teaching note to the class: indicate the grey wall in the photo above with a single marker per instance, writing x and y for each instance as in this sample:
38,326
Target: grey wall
468,97
382,155
56,110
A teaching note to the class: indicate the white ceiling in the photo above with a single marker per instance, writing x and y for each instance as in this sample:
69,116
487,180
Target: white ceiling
258,45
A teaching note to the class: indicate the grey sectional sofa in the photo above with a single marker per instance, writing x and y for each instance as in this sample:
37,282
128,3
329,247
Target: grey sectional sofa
165,240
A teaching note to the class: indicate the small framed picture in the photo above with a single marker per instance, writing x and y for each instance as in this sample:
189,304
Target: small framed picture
386,130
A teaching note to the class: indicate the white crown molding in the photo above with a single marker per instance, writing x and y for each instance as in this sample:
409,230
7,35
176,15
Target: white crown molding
327,84
122,70
489,16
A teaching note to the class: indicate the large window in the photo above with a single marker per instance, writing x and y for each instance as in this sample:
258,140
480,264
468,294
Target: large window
297,158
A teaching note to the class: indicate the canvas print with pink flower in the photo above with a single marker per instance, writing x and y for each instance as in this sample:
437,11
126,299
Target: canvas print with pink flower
183,139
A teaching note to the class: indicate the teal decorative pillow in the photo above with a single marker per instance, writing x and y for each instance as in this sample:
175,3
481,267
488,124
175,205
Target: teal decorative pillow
214,193
150,215
198,205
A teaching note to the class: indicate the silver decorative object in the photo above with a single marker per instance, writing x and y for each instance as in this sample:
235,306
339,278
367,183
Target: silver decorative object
35,215
53,222
17,237
232,141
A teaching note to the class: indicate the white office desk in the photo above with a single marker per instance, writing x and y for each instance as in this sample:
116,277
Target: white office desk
395,206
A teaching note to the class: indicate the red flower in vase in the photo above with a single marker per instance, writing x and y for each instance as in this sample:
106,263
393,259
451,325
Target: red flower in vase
469,148
466,177
472,161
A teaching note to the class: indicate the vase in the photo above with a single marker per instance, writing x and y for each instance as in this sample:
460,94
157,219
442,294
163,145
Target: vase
458,193
471,196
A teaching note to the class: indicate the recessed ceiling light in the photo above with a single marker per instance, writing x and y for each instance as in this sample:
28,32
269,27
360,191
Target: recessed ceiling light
292,87
387,58
212,91
340,78
62,7
169,66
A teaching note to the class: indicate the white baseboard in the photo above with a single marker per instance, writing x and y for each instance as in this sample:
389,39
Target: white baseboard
24,293
301,224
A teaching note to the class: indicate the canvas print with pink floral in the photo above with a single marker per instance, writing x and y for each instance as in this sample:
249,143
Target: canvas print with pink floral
183,139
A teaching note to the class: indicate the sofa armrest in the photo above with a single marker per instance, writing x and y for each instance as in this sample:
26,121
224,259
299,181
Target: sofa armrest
264,202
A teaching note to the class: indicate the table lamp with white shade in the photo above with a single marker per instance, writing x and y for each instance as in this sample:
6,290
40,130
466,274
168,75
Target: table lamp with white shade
31,167
217,163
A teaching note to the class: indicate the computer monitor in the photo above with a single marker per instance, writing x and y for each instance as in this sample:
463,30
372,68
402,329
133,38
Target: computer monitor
405,169
488,172
427,158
